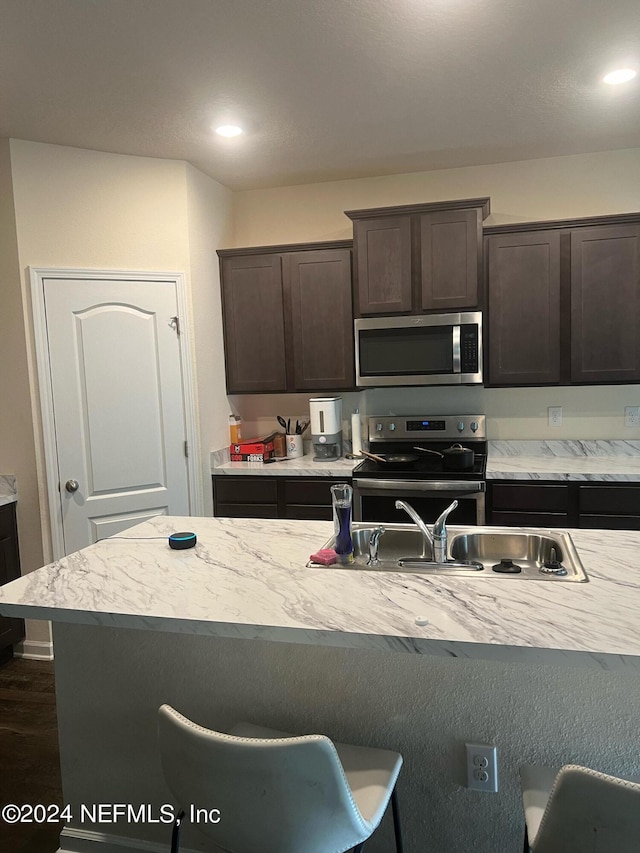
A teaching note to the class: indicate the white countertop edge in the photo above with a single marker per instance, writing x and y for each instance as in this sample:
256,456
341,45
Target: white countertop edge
610,662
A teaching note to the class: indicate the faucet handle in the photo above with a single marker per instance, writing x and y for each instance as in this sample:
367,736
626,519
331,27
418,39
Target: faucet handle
374,542
439,524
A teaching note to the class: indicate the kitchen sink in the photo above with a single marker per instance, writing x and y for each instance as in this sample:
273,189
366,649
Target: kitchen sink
516,552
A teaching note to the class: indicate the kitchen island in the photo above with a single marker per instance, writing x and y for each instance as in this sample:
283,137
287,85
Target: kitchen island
239,628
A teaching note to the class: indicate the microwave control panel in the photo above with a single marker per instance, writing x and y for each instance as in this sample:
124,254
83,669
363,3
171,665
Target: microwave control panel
469,348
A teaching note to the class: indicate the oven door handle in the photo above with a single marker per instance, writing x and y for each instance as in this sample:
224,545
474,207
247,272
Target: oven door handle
404,486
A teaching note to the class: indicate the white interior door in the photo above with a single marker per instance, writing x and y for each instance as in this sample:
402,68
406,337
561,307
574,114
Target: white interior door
118,404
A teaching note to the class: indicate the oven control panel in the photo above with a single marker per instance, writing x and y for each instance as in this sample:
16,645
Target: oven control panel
421,427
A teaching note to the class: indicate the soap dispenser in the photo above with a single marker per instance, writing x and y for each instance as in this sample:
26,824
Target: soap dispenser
341,498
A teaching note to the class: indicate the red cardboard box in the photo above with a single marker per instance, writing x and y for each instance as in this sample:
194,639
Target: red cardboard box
252,450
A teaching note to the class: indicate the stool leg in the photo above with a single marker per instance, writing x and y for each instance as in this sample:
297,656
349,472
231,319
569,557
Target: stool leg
358,848
175,835
396,822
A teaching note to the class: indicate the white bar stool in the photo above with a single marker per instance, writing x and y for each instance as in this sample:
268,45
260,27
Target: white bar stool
576,809
276,792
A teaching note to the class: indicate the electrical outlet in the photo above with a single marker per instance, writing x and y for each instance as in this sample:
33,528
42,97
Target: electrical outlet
482,767
555,416
632,416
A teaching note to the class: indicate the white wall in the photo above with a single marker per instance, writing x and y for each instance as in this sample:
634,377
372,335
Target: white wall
77,208
17,450
209,226
552,188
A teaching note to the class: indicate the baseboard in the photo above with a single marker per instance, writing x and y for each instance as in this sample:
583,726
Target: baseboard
34,650
74,840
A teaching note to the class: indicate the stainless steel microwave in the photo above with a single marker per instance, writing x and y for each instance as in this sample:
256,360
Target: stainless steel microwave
432,349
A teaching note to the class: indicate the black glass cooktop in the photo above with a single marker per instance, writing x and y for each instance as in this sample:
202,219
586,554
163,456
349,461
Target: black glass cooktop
421,466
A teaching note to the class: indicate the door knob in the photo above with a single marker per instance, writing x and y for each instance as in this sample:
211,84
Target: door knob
72,485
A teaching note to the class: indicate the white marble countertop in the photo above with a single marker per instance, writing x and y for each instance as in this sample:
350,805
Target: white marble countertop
594,460
303,467
8,489
246,578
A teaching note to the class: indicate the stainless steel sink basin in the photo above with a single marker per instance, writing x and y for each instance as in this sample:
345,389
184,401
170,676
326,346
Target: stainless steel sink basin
472,552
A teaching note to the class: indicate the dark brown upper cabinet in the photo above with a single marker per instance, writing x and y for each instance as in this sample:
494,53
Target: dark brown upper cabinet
253,317
318,291
287,318
383,265
564,301
605,304
524,308
418,258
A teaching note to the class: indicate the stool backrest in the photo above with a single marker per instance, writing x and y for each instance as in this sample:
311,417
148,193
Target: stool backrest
285,795
590,811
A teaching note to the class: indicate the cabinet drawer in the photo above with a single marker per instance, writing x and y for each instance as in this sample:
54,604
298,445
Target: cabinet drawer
238,510
530,519
309,513
316,492
543,499
609,522
245,490
618,500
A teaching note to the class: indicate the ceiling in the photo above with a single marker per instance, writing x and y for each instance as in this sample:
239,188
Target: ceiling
327,89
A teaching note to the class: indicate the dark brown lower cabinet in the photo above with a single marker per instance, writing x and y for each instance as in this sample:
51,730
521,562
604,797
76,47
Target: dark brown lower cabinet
527,505
609,507
553,504
258,496
11,630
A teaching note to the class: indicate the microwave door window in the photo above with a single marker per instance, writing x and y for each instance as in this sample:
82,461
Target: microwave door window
406,351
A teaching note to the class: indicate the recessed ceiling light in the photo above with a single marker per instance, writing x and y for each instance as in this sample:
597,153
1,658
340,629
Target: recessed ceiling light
622,75
229,130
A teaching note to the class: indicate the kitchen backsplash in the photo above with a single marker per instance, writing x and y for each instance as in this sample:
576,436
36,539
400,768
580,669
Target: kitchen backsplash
589,412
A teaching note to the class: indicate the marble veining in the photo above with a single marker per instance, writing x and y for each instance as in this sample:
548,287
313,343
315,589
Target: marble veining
8,489
303,467
592,460
246,578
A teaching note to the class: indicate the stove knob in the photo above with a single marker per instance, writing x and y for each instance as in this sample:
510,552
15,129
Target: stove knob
460,426
392,427
474,425
379,427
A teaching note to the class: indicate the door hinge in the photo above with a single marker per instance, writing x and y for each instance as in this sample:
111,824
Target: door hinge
174,323
186,449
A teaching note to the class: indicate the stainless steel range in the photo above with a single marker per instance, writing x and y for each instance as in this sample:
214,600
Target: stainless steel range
429,481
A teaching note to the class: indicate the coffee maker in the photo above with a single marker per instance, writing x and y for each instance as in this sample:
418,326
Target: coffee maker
326,427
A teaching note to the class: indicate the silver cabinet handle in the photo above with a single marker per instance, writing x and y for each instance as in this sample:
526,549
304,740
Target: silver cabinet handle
72,485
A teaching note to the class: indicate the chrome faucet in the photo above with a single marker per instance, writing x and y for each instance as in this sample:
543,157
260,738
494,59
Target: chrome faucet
374,542
437,540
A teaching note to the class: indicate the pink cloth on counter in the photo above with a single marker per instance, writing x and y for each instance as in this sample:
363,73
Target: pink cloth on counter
325,557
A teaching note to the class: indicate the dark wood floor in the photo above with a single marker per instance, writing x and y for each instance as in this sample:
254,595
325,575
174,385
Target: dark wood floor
29,759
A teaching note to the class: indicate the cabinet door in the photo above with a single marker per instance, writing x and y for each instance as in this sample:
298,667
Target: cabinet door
318,290
309,498
11,630
605,304
450,251
245,496
383,264
253,317
524,308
